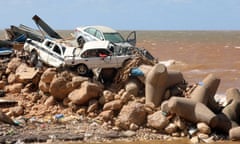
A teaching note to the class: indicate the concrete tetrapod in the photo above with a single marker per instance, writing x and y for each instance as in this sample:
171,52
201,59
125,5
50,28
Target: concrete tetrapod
192,111
155,84
232,110
206,91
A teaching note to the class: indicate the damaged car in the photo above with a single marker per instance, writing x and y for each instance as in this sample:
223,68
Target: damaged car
94,54
103,33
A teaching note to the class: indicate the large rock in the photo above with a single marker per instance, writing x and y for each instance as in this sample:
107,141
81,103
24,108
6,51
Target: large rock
14,88
157,120
87,91
113,105
12,65
44,87
133,86
132,113
25,74
11,78
106,97
48,75
59,88
2,84
78,80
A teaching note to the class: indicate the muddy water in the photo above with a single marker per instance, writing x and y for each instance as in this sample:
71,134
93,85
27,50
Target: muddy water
199,53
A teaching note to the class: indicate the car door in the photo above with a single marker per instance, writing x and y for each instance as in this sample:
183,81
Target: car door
55,57
90,58
132,38
90,34
107,59
45,50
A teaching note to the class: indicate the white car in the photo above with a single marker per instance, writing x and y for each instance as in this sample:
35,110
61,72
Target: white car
103,33
94,54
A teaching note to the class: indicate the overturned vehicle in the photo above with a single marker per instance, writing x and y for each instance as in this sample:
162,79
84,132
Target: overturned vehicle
94,54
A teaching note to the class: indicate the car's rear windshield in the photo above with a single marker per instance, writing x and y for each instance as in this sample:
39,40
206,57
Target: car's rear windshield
113,37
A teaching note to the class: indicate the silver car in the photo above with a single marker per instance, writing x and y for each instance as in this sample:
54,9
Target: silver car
96,33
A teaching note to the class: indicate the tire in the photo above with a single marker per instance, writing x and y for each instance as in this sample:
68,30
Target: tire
80,42
82,69
33,58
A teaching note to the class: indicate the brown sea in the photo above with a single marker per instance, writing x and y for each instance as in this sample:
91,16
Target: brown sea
194,53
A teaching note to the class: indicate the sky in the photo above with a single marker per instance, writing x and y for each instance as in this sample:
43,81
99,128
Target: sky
124,14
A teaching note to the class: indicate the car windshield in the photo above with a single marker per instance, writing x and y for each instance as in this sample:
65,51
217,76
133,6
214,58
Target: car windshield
113,37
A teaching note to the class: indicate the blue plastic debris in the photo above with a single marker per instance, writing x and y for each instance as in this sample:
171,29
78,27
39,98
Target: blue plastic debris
21,38
201,83
136,72
5,51
59,116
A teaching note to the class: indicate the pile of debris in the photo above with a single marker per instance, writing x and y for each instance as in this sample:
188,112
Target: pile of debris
141,95
155,98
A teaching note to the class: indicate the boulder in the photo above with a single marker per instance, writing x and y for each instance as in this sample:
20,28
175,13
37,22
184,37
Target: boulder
17,111
14,88
113,105
170,128
106,97
179,123
92,106
78,80
2,84
125,97
157,120
48,75
12,65
132,113
133,86
44,87
106,115
25,74
86,92
59,88
50,101
203,128
11,78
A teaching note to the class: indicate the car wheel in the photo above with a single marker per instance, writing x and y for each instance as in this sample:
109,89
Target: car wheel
33,58
82,69
81,42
